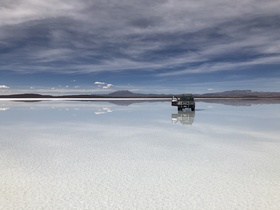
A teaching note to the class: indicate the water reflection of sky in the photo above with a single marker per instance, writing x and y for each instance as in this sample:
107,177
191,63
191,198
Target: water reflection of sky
64,155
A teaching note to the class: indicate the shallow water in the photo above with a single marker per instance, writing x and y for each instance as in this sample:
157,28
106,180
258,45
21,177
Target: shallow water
101,155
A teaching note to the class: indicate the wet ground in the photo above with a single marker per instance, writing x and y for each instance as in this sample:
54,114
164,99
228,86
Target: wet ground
106,155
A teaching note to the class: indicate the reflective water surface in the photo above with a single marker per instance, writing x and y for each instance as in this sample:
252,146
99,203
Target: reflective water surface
101,155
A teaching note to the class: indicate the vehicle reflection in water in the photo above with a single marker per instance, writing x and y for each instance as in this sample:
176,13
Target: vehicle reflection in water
184,117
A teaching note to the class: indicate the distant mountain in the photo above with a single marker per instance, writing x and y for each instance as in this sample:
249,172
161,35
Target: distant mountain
129,94
225,94
125,94
240,94
32,95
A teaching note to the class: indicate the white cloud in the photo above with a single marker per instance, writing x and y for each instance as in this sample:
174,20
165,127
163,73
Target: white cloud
99,83
4,86
103,85
107,86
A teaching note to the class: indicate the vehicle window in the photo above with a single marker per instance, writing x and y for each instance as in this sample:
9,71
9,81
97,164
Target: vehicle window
187,98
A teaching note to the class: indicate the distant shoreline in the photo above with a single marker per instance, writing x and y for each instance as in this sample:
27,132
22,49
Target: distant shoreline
127,95
82,99
129,99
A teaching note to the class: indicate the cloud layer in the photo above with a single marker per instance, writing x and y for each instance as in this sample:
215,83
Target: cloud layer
168,37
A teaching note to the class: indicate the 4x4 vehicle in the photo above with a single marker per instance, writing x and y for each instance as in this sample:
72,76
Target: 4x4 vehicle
183,101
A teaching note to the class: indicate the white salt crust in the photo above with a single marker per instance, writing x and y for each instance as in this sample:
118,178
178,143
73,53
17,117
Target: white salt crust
154,165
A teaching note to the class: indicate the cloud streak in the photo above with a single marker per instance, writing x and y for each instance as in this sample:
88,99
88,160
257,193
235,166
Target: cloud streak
167,38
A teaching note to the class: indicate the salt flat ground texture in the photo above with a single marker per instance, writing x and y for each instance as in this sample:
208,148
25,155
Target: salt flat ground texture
101,155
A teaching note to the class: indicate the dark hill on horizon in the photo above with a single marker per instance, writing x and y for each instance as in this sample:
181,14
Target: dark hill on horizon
225,94
240,93
26,95
129,94
124,93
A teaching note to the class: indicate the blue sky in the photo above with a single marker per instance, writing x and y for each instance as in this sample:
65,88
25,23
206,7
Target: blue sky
161,46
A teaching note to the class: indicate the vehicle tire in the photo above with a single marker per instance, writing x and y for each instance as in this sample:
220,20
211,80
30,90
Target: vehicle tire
193,108
179,109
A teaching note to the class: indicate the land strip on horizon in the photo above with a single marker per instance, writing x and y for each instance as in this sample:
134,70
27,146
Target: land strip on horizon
125,94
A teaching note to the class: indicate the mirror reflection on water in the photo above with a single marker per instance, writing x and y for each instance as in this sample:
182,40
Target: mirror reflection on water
127,155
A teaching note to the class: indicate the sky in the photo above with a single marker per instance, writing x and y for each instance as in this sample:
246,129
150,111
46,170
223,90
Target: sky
160,46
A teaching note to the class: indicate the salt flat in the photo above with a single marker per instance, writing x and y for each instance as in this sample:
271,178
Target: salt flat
100,155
